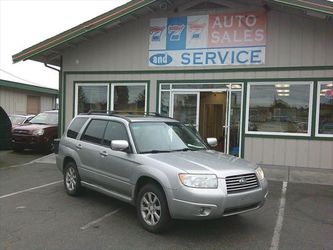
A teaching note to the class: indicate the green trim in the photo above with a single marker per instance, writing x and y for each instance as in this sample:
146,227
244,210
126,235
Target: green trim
290,137
22,86
81,29
209,70
60,100
64,83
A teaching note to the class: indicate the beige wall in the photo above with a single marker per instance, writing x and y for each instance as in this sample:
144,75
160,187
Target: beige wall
290,152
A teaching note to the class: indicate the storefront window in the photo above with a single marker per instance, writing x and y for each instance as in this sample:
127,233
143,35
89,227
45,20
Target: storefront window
279,108
325,106
92,98
130,98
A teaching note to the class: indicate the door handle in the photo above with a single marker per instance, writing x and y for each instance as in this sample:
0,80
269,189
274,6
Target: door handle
103,153
78,146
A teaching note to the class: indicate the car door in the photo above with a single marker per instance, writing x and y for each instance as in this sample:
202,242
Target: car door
89,148
118,166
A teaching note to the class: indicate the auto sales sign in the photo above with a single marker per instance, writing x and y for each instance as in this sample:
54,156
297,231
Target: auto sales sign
208,40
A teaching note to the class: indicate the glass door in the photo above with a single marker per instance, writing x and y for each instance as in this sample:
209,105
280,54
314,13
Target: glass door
186,108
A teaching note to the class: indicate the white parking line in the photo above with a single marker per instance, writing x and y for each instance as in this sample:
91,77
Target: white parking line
279,221
99,219
29,189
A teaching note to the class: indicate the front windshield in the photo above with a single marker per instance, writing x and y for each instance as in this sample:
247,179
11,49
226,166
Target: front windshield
156,137
17,119
45,118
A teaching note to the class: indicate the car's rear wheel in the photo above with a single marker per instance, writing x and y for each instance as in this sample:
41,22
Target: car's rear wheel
72,181
152,208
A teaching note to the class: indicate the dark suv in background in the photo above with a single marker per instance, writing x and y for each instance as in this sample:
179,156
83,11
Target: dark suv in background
38,134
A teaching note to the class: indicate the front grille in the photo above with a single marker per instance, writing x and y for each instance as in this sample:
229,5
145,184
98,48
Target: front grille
241,183
21,132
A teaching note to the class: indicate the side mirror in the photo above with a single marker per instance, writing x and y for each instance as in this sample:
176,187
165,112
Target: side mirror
212,142
119,145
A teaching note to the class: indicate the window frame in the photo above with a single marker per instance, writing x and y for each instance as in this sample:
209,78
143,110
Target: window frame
317,134
265,83
77,85
129,85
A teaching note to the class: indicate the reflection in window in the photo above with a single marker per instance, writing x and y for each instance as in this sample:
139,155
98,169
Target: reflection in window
165,103
185,108
280,107
326,108
130,98
92,98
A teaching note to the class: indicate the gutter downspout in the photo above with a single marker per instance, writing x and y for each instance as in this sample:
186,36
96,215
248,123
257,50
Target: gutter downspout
59,95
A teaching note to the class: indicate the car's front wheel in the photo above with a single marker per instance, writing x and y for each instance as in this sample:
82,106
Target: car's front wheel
72,181
152,208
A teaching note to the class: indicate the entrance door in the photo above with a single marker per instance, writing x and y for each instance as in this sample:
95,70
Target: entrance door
212,117
186,108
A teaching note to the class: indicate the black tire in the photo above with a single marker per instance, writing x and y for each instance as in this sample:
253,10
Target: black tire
50,146
72,181
152,208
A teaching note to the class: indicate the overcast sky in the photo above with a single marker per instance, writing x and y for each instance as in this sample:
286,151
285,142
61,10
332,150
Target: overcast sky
24,23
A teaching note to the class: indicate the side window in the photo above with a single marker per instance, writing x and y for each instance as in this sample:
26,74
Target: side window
114,131
75,127
94,132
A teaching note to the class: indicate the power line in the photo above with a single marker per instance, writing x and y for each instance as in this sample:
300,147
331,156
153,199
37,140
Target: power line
22,79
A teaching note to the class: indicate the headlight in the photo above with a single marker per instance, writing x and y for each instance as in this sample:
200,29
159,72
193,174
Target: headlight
38,132
198,180
260,173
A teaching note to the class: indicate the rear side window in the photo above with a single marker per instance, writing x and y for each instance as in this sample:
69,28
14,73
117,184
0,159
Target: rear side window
114,131
95,131
75,127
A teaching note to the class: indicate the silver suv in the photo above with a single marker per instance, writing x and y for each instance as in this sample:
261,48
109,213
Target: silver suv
160,166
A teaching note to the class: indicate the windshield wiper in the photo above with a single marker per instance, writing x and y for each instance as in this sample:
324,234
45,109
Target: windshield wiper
42,123
155,151
182,149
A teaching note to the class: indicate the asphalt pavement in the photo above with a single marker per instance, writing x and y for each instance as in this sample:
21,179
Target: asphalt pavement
36,213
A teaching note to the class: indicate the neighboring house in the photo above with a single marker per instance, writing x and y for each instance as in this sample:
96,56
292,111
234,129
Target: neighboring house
19,98
258,75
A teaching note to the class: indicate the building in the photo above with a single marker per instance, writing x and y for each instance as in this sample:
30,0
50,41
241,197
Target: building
257,75
19,98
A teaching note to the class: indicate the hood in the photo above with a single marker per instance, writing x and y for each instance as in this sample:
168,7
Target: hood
32,127
206,162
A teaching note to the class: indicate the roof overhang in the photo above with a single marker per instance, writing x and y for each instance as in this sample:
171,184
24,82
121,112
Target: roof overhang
51,50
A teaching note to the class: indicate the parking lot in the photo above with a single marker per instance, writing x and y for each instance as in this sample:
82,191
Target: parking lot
36,213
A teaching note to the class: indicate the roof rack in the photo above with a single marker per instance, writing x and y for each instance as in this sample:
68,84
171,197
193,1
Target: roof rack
122,114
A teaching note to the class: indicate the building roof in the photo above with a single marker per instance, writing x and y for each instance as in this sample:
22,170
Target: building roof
320,6
21,86
50,50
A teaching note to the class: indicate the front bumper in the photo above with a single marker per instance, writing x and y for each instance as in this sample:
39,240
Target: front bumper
214,203
30,141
